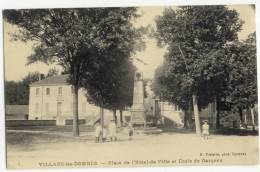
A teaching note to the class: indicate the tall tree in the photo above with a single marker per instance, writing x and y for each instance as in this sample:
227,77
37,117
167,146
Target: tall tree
241,92
111,84
172,88
125,88
112,87
193,36
76,39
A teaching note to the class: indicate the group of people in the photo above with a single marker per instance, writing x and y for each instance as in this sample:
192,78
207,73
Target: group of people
110,132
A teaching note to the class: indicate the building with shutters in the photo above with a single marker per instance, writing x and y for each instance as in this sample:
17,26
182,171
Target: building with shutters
52,99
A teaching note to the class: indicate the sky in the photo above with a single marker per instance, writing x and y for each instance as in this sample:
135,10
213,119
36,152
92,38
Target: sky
16,52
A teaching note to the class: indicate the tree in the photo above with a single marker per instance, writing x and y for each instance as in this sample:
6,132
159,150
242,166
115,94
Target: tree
11,92
125,87
52,72
112,87
241,92
76,39
17,92
193,36
111,84
171,88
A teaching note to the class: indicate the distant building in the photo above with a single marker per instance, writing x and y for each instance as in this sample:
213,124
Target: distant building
52,99
167,113
16,112
171,114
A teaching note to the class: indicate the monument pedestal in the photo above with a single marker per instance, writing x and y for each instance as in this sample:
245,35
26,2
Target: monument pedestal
137,110
138,118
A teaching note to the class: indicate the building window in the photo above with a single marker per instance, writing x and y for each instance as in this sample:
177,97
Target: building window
47,109
47,91
37,91
60,90
177,108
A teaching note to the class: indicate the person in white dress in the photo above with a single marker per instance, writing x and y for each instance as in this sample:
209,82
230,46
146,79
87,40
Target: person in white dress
112,130
97,132
104,134
205,130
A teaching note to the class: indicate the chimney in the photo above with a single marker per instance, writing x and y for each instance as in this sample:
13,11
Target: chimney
41,77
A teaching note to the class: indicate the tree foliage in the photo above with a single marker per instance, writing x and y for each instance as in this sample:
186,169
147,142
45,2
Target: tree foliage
82,41
17,92
195,62
241,92
76,39
194,37
112,86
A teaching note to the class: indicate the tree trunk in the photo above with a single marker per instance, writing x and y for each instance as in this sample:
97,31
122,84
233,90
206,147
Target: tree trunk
245,119
121,117
186,119
240,115
75,113
190,121
218,120
114,114
253,118
218,113
196,114
102,119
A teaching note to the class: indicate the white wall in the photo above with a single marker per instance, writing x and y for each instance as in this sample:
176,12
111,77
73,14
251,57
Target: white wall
47,104
172,112
66,98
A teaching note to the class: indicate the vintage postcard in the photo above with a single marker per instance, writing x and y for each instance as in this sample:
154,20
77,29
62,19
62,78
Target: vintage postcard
130,86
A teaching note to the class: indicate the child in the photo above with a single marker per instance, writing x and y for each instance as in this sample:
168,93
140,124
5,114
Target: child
97,132
205,130
104,134
112,130
130,131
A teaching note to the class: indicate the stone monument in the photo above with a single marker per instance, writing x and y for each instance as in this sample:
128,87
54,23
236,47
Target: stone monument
138,110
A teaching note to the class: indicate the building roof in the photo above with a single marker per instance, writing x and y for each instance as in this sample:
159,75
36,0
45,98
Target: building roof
54,80
17,109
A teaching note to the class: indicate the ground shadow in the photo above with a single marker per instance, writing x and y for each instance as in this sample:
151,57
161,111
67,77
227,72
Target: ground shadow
235,131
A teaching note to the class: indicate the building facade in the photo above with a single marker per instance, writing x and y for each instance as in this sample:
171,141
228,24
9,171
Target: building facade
52,99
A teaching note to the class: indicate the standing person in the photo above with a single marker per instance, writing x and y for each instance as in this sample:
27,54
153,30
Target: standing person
130,131
112,130
205,130
104,134
97,132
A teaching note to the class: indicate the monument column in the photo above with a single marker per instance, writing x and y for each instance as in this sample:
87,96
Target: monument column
137,111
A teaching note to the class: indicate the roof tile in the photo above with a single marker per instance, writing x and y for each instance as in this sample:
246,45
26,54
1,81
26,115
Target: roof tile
55,80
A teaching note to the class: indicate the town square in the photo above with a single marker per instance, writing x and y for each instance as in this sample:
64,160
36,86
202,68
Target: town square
130,86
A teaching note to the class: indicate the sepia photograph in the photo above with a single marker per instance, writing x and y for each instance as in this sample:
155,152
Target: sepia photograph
137,86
